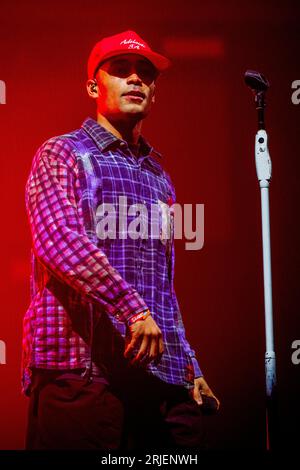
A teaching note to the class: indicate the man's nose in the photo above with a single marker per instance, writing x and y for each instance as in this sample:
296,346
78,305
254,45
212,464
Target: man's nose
134,77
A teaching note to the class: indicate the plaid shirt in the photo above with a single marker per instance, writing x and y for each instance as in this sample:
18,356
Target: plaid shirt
79,280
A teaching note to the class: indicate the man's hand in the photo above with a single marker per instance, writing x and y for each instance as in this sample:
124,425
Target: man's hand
201,388
149,336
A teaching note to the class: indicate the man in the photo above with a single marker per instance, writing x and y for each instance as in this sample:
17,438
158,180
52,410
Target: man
105,358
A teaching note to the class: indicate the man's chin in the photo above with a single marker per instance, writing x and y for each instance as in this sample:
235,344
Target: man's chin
133,108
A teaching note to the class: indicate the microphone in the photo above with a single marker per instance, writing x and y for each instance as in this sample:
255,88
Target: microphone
256,81
259,85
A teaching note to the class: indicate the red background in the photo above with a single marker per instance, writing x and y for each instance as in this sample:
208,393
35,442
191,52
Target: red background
204,122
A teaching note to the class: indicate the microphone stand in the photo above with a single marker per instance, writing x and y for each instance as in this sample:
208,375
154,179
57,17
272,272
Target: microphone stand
259,85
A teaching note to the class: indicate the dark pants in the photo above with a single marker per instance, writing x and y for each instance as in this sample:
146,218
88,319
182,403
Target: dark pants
67,412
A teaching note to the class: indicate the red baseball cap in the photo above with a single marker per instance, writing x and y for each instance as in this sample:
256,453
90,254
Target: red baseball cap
127,42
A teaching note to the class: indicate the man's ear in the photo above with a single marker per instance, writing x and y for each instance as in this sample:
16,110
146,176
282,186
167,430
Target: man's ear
92,88
153,93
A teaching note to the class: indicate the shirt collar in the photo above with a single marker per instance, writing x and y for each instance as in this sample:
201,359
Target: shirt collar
104,139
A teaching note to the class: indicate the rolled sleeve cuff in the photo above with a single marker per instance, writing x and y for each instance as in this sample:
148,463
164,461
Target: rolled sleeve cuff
197,370
129,306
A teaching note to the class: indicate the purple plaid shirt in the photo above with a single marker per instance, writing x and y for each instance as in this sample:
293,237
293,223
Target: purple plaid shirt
84,288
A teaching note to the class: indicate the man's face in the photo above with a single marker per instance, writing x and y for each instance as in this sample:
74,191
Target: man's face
126,85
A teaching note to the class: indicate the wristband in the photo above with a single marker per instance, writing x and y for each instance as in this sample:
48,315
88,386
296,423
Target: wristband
139,316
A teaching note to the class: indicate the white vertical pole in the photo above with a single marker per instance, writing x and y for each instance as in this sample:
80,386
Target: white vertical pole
264,171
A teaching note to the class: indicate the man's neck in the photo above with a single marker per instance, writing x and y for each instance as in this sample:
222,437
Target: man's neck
129,132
